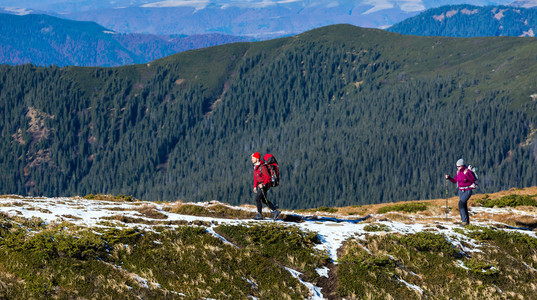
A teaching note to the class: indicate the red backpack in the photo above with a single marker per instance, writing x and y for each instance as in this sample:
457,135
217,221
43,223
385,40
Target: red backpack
274,170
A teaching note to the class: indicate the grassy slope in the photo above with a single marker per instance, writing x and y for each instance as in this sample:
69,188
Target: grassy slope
63,260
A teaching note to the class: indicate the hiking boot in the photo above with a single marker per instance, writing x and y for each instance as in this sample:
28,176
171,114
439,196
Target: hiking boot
258,217
464,224
275,214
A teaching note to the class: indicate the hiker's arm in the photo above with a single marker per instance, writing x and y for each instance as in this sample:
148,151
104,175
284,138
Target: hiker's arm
265,176
450,179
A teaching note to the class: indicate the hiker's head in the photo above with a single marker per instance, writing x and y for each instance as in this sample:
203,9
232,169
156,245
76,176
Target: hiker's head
460,163
256,157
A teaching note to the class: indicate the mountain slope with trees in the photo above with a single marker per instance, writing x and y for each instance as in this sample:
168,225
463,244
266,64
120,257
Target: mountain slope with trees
45,40
353,115
471,21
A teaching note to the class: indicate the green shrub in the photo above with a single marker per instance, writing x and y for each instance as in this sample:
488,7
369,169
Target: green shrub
327,209
288,245
66,262
364,275
114,236
481,268
429,241
320,208
223,211
189,209
412,207
376,227
508,201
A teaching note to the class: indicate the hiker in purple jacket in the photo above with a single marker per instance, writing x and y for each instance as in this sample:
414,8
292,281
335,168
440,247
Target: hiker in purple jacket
465,180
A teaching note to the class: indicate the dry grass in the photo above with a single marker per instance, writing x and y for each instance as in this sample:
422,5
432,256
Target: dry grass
150,211
71,217
509,218
214,209
10,197
112,198
437,210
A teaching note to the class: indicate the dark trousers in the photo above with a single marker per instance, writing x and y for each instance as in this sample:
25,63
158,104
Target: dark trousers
463,205
261,197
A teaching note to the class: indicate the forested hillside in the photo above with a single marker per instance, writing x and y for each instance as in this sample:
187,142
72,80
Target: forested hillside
471,21
44,40
353,115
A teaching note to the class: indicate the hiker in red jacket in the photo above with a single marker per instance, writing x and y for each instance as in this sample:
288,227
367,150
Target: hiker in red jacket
262,183
465,179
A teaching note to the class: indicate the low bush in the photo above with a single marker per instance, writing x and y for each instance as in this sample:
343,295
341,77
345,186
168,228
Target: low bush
376,227
411,207
188,209
320,209
214,211
508,201
40,261
118,198
429,241
288,246
481,267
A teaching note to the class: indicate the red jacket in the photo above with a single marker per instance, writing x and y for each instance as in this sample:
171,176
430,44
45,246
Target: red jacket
261,175
464,179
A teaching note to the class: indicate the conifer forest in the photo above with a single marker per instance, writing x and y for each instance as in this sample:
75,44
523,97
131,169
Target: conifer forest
354,116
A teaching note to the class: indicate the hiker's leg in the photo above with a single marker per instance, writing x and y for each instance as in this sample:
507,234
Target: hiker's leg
267,202
258,198
463,205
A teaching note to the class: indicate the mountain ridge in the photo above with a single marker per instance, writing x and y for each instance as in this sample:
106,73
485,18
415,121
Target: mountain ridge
46,40
258,19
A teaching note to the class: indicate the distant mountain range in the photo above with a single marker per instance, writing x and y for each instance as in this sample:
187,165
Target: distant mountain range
471,21
46,40
260,19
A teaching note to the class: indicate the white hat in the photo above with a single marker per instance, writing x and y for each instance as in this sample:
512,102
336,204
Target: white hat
460,162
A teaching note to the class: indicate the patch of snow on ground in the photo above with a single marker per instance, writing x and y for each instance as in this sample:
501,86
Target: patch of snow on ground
215,234
411,286
323,272
460,264
315,291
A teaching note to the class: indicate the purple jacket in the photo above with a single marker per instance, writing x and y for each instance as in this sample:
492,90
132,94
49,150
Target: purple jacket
464,178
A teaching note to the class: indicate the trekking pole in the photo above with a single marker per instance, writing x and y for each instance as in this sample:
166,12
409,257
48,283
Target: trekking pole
266,199
445,183
264,196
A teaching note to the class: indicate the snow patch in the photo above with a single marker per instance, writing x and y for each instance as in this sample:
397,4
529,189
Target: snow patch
498,16
460,264
529,33
466,11
215,234
323,272
202,4
315,291
451,13
411,286
18,11
404,5
197,4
